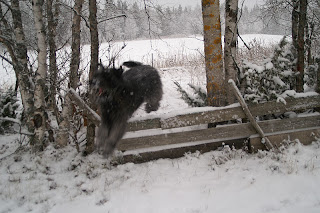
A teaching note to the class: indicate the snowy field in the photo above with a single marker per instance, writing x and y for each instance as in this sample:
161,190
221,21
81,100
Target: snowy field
145,51
224,181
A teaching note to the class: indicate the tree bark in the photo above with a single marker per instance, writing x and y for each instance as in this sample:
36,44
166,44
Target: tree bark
230,47
300,44
294,23
318,77
64,125
93,67
20,66
213,53
40,79
52,17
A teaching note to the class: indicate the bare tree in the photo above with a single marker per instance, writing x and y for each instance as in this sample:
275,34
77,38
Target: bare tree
300,43
13,38
294,22
52,20
230,46
213,53
64,125
40,78
93,67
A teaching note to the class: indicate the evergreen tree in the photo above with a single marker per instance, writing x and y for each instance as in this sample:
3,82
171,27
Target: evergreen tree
8,106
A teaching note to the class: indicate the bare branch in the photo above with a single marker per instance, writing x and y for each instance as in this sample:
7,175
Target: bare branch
113,17
6,59
71,8
6,3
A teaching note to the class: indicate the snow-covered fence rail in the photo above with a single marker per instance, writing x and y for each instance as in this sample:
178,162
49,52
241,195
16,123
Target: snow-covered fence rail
204,115
172,135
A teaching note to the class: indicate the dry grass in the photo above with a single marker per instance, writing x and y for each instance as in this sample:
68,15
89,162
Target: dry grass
256,53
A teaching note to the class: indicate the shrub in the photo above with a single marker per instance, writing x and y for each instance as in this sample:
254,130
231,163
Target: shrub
272,79
199,99
8,107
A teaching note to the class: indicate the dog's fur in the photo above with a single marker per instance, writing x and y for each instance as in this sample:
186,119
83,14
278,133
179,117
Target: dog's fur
119,94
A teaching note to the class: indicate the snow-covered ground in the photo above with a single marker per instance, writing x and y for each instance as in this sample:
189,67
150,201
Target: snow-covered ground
219,181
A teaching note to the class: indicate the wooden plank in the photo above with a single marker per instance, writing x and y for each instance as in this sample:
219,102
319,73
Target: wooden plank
306,137
144,124
233,113
246,110
208,116
236,131
177,152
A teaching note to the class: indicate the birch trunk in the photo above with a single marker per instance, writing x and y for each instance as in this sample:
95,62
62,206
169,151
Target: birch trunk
40,78
64,125
20,65
93,67
213,53
230,47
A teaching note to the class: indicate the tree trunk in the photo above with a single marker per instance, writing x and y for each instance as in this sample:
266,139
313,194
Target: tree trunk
20,65
300,44
93,67
294,22
318,76
52,18
40,79
213,53
230,47
64,125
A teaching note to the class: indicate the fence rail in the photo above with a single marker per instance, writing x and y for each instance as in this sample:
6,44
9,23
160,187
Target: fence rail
216,114
172,135
171,141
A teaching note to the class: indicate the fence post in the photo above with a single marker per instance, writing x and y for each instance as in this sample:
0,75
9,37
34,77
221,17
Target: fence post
246,110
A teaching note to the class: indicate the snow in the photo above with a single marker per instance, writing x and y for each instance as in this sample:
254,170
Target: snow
225,181
219,181
146,51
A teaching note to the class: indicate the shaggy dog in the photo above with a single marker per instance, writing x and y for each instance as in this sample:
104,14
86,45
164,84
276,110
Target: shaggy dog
119,94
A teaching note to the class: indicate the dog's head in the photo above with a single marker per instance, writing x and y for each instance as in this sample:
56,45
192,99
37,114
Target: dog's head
106,79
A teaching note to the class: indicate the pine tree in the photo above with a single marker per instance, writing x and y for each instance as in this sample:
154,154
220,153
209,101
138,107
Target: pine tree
271,80
200,98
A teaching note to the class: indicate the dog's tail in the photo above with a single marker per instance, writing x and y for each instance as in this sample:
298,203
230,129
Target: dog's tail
130,64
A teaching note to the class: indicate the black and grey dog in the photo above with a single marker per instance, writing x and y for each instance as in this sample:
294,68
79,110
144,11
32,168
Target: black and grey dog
119,94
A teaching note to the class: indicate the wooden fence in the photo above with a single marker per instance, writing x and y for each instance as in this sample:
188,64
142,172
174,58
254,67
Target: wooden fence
172,135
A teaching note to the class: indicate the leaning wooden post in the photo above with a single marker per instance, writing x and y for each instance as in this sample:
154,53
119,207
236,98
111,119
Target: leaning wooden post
246,110
87,110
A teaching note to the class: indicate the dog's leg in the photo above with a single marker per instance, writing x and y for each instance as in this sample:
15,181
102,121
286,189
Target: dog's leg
153,103
116,132
102,134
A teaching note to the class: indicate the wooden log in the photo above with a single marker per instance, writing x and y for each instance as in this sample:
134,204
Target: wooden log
153,123
226,132
176,152
140,157
246,110
92,115
213,115
305,136
208,115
